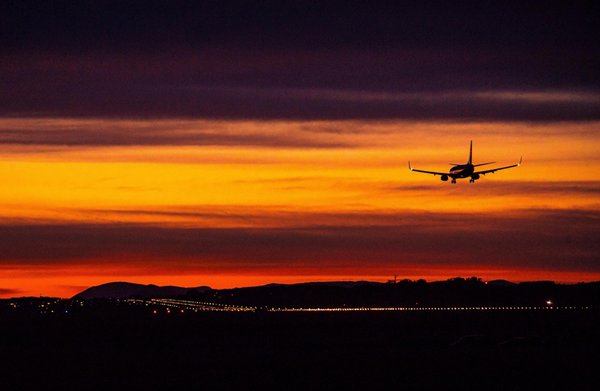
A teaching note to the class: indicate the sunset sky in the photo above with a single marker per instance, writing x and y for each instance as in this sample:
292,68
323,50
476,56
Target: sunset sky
231,143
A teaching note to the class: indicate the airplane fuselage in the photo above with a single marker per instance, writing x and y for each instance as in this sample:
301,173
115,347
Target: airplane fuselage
462,171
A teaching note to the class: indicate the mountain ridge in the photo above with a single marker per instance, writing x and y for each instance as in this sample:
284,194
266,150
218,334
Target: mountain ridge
126,290
455,291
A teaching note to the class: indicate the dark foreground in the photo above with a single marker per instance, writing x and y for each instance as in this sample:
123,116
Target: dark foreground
125,349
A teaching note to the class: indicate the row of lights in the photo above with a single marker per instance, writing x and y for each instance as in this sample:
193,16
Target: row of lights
207,306
197,303
348,309
194,306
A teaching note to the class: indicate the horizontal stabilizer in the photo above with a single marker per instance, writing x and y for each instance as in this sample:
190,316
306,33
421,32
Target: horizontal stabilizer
482,164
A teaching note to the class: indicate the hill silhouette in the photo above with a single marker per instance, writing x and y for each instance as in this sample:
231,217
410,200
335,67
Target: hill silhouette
124,290
406,293
453,292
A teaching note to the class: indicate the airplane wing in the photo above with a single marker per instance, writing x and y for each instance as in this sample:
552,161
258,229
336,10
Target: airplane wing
427,172
490,171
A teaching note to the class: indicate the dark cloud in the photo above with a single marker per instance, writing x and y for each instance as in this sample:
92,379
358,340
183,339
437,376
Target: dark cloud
298,59
150,100
96,134
509,188
544,239
8,292
21,135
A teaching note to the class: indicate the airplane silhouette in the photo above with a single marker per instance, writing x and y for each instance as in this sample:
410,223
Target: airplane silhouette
466,170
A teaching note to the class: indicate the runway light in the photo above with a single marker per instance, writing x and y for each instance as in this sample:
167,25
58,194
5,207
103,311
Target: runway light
549,302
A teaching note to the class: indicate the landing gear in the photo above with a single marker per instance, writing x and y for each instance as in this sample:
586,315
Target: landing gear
471,180
454,181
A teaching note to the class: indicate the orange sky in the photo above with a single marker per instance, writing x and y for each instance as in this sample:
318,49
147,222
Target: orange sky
245,179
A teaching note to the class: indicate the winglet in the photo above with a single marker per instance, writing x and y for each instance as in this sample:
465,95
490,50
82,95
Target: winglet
409,167
520,161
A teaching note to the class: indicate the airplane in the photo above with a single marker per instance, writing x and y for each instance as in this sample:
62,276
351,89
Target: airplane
467,170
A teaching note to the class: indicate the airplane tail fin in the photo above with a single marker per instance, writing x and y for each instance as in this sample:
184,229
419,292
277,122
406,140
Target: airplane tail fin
471,153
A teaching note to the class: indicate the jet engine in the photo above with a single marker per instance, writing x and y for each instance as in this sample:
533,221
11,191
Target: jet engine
475,177
444,178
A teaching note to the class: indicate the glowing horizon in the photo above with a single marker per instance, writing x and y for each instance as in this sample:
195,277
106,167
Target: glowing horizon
92,200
